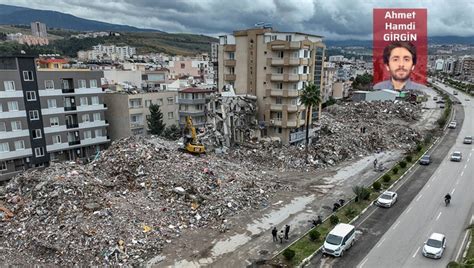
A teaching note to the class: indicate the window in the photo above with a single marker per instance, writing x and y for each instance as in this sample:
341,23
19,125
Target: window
66,84
4,147
1,107
170,101
231,70
170,115
93,83
279,85
159,102
274,37
288,38
95,100
136,118
39,151
30,95
83,101
305,53
231,55
48,84
85,118
54,121
280,54
82,83
96,116
87,134
3,127
278,100
16,125
98,133
34,115
183,65
305,69
9,85
3,166
19,145
279,70
36,133
135,103
56,139
279,115
52,103
148,103
28,76
12,106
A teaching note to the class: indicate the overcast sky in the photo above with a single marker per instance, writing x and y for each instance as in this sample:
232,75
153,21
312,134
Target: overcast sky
334,19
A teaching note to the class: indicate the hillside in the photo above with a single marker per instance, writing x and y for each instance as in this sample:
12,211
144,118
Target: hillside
53,19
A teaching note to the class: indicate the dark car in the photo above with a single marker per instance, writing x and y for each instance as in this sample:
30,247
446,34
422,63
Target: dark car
425,160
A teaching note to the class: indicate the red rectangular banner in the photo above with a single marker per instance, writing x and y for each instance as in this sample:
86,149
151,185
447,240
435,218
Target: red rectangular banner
400,48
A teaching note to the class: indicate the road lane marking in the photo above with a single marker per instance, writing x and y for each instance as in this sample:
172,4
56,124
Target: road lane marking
408,210
462,174
416,252
434,178
362,264
454,190
381,242
461,248
419,197
465,166
439,215
395,226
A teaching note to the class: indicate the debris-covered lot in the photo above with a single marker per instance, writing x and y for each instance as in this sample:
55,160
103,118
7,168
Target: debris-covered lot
142,193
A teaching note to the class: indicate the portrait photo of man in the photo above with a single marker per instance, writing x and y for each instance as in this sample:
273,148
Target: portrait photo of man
399,58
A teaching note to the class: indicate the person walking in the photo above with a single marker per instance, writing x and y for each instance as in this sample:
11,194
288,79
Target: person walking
375,163
274,234
287,230
281,236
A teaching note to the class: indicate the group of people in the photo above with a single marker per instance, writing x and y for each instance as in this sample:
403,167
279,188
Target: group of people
283,234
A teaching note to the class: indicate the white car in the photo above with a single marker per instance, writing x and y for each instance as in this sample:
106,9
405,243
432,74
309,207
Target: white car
434,246
387,199
456,156
453,124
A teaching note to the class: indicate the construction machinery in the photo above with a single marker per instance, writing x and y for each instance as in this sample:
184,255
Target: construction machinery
190,140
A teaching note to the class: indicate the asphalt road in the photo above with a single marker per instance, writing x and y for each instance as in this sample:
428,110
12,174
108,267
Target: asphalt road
393,237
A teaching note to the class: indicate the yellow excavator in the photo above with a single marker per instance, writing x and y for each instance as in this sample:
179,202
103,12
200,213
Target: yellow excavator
190,140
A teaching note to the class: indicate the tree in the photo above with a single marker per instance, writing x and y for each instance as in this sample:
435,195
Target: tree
172,132
155,121
310,97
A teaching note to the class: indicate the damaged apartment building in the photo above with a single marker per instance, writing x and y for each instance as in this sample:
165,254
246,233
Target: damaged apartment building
274,67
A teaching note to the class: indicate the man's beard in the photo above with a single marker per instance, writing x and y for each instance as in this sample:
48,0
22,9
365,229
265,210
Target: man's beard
400,78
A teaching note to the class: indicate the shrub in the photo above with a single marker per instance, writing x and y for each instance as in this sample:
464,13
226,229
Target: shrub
289,254
377,185
419,147
361,192
403,164
408,158
334,220
395,170
351,212
314,235
386,178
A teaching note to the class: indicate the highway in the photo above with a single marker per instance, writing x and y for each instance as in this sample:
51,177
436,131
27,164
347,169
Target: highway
401,245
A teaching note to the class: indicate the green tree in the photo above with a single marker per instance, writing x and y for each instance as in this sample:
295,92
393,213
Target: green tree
310,97
155,121
172,132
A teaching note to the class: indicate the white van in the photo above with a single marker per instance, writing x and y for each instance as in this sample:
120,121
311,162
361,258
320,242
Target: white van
340,238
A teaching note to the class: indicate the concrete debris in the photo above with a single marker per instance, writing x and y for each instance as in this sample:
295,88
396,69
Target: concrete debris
124,207
346,131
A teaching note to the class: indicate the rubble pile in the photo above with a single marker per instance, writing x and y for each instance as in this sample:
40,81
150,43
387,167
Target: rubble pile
124,207
347,131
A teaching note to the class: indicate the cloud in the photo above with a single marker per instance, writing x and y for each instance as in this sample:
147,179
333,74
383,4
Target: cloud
335,19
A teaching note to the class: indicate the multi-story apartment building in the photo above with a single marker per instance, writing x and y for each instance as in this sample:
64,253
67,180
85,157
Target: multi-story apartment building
192,102
48,114
128,113
275,67
155,79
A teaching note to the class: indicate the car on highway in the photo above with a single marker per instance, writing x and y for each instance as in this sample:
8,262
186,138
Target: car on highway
339,239
434,246
386,199
467,99
455,92
456,156
425,159
467,140
440,101
452,124
435,98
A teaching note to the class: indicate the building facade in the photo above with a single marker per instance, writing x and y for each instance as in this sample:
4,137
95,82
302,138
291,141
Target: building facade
274,67
38,29
48,115
127,113
192,102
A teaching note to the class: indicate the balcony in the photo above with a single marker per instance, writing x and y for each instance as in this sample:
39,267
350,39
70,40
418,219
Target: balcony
301,135
276,107
276,122
191,113
293,93
76,142
229,62
67,90
70,108
294,108
229,48
191,101
229,77
284,45
68,126
276,77
291,78
275,92
285,61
